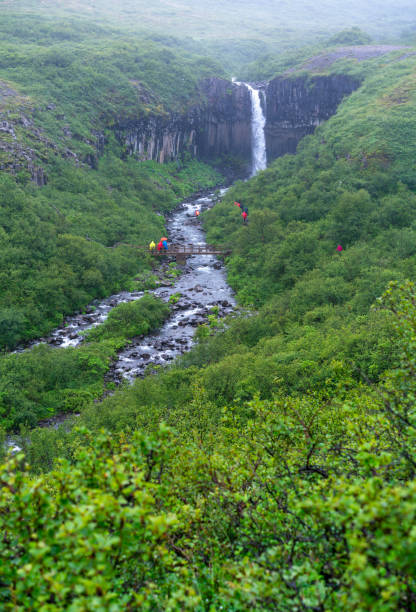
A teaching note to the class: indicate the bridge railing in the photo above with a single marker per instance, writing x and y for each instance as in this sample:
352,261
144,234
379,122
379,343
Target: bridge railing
180,249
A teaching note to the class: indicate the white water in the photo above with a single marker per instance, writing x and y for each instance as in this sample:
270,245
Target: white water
258,121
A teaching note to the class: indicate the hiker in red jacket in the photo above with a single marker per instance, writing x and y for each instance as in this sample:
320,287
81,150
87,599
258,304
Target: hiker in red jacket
244,215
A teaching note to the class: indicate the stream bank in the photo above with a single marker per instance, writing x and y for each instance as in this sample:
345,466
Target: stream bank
200,287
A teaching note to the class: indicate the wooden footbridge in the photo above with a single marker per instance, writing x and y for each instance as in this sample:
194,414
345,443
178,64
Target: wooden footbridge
180,251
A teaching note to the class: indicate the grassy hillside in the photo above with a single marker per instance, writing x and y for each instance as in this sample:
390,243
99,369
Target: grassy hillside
233,32
294,503
60,89
217,18
287,479
271,468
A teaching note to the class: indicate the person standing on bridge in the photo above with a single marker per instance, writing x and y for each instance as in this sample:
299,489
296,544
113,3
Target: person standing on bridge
160,246
165,244
152,246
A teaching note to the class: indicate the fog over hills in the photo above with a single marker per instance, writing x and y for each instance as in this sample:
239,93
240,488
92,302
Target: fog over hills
232,19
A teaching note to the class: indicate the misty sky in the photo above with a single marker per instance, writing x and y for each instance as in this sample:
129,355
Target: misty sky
232,18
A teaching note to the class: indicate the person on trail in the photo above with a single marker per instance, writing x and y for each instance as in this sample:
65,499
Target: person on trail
238,204
244,215
160,246
165,245
197,213
339,248
245,209
152,246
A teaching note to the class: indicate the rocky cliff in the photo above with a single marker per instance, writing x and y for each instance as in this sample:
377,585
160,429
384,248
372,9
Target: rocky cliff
296,106
219,125
224,120
216,128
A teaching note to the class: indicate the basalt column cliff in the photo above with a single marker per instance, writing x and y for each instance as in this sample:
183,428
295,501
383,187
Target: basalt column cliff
296,106
219,125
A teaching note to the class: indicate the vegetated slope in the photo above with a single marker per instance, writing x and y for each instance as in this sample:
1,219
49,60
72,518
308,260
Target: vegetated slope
219,18
234,32
38,383
288,482
347,45
60,94
295,503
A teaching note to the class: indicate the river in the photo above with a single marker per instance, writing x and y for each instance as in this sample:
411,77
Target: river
201,286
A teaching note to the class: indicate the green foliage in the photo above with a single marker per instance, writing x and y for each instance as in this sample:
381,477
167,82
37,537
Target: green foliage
174,298
98,520
351,36
129,320
55,243
286,481
65,93
235,33
350,184
43,381
129,74
293,503
36,384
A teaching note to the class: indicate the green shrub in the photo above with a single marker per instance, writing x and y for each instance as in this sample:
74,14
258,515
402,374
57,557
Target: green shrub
131,319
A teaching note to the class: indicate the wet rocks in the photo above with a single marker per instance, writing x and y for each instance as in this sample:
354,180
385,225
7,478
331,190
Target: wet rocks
201,287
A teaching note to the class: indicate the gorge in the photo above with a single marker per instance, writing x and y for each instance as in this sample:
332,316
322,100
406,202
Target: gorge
216,129
221,125
207,310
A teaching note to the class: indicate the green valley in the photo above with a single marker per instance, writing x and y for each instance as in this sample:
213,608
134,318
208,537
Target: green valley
272,466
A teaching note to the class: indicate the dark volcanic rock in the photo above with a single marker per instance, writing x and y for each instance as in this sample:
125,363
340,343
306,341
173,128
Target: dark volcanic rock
219,125
296,106
224,121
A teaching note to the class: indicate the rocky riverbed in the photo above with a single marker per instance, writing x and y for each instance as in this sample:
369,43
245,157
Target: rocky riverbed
201,286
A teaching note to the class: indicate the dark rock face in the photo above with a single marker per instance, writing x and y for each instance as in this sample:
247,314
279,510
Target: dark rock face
157,137
224,122
296,106
219,125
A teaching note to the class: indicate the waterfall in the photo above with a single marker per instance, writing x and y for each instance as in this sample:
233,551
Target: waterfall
258,121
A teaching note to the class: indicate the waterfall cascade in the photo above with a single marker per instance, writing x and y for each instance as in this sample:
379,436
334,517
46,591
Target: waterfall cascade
258,121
